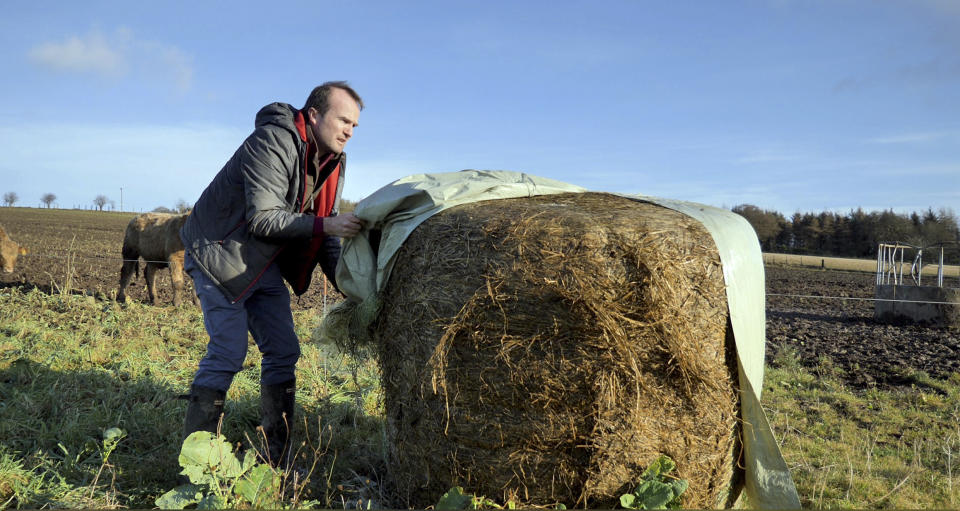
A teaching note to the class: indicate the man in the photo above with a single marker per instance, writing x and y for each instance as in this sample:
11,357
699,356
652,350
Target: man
269,215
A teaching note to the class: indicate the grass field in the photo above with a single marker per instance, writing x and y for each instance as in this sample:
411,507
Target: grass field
73,366
870,448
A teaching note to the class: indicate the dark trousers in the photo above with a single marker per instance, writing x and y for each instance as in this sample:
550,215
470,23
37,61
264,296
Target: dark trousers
264,311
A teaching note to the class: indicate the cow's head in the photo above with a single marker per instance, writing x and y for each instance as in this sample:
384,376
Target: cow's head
9,251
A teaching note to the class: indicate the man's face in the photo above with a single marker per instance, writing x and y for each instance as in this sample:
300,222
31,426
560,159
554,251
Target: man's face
334,128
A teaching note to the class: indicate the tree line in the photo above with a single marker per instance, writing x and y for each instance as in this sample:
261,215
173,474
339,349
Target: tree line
853,234
99,202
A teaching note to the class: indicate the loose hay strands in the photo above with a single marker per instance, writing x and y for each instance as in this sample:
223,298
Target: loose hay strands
552,347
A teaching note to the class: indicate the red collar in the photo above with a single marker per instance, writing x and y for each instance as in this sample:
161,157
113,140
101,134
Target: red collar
301,125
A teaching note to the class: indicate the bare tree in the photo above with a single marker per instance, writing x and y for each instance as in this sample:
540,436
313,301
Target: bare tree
48,199
100,201
10,198
183,206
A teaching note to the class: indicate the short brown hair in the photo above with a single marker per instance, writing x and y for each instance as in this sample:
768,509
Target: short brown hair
319,97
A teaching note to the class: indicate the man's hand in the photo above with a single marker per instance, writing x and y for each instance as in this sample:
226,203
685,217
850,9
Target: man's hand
345,226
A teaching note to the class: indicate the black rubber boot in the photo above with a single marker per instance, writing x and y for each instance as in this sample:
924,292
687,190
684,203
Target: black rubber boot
204,410
203,414
276,407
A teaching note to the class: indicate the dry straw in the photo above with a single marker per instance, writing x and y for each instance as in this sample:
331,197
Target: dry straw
547,349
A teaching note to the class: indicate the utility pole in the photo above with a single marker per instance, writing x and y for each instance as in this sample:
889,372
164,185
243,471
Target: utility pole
121,198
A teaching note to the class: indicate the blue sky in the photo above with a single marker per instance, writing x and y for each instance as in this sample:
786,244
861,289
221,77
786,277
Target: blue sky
788,105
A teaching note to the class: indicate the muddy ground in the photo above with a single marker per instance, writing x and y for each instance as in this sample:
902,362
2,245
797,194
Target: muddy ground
80,251
85,246
838,325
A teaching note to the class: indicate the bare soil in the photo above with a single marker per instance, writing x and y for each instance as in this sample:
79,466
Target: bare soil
80,251
837,323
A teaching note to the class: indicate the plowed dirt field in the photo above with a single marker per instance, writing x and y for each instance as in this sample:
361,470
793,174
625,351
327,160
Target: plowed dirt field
839,324
81,250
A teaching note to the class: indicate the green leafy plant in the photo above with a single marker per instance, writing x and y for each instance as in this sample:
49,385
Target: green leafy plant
657,489
456,499
219,480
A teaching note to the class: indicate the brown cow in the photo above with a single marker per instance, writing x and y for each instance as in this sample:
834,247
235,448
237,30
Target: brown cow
9,251
156,238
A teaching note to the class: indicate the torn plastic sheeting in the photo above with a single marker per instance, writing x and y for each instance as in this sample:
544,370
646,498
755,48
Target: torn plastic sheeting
398,208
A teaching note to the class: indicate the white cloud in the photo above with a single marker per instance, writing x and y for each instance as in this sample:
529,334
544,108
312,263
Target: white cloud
90,53
914,138
116,55
171,63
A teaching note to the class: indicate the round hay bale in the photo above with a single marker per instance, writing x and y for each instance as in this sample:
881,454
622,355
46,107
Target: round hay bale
548,349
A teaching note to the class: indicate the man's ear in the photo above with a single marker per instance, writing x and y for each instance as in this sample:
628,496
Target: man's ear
313,115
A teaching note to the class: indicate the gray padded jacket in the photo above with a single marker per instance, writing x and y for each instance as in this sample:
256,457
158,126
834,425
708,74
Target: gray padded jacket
252,208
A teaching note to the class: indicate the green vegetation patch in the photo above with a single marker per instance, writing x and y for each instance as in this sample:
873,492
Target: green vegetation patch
74,371
865,448
89,416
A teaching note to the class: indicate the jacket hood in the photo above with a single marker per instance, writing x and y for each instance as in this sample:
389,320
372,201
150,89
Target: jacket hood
278,114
